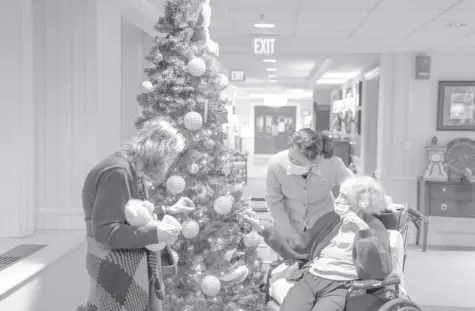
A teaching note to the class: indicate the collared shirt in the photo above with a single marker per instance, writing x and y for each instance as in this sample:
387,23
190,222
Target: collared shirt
297,203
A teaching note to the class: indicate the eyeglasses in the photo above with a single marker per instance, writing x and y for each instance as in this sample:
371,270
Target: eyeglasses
303,140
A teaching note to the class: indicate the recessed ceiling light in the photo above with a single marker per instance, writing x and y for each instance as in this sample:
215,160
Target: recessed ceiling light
331,81
264,25
269,60
340,75
456,25
273,81
272,76
271,69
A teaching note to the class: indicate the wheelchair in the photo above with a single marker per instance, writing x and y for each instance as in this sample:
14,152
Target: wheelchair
363,295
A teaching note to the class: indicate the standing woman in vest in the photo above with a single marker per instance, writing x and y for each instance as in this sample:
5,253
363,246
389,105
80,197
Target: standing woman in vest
300,181
124,274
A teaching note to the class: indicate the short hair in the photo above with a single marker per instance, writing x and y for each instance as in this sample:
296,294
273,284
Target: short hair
367,194
323,144
156,144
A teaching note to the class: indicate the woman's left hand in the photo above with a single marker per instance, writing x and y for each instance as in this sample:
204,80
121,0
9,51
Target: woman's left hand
184,205
255,224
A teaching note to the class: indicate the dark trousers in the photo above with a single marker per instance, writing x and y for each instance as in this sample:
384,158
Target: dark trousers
313,293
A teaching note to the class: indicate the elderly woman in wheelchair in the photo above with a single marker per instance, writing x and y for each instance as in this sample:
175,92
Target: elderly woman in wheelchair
347,249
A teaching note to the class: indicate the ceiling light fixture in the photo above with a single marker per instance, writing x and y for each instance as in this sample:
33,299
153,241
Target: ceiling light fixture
273,81
264,25
340,75
271,69
456,25
331,81
272,76
269,60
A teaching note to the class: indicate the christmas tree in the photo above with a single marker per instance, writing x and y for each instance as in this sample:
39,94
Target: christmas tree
219,268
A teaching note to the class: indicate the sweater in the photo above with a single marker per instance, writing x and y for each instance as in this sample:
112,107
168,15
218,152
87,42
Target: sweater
371,253
107,189
296,203
335,261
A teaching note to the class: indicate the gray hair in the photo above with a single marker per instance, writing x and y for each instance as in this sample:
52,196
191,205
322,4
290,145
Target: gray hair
367,194
156,145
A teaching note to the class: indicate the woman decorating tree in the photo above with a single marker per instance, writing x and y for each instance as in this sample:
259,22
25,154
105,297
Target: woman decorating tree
124,275
300,181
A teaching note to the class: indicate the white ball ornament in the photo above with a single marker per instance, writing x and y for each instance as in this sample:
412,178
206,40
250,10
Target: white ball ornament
223,205
223,81
210,286
193,121
190,229
251,240
175,184
147,86
196,67
193,169
209,143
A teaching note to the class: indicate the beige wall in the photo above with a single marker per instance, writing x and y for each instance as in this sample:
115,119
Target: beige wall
135,46
60,105
407,121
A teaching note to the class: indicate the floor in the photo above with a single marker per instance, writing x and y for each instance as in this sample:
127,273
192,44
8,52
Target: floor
438,280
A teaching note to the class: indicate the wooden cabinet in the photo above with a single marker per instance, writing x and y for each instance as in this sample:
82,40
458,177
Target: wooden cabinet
445,199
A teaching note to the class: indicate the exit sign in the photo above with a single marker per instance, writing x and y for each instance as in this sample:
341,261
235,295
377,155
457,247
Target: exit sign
264,46
237,76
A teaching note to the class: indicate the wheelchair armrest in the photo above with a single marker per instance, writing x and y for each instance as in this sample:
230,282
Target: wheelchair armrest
369,284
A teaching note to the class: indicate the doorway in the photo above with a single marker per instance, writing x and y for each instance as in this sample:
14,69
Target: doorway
370,125
273,128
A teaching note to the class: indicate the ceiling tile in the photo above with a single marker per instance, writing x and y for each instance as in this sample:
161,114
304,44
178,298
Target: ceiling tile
258,5
271,16
458,16
331,15
326,26
416,4
281,29
305,33
403,16
337,4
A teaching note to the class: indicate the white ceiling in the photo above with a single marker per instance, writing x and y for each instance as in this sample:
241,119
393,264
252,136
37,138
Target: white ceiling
314,36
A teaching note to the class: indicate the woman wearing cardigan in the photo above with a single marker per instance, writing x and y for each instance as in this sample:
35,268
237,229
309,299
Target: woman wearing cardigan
300,181
124,275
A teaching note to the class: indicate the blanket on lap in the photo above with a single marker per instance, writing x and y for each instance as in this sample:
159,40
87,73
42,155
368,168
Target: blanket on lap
123,279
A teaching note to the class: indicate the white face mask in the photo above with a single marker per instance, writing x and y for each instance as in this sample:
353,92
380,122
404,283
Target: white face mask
342,209
342,203
303,166
293,169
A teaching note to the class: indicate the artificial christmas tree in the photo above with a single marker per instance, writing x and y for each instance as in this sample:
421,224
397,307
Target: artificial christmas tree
219,268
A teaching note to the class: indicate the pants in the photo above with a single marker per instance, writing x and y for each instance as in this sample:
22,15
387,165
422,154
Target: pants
313,293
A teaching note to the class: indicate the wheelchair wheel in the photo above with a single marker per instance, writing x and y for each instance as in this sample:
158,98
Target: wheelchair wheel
400,304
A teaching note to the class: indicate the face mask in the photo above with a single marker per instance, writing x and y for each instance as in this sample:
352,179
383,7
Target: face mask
301,168
342,205
342,209
293,169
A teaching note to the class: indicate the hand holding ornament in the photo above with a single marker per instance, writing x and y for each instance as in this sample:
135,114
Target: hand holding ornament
255,223
184,205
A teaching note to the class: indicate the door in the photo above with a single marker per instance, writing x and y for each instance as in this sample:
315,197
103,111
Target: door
273,128
322,117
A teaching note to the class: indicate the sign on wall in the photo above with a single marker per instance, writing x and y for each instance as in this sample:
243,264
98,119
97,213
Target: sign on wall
264,46
237,75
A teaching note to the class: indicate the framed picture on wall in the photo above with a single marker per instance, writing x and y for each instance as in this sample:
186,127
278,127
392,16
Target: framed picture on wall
456,106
